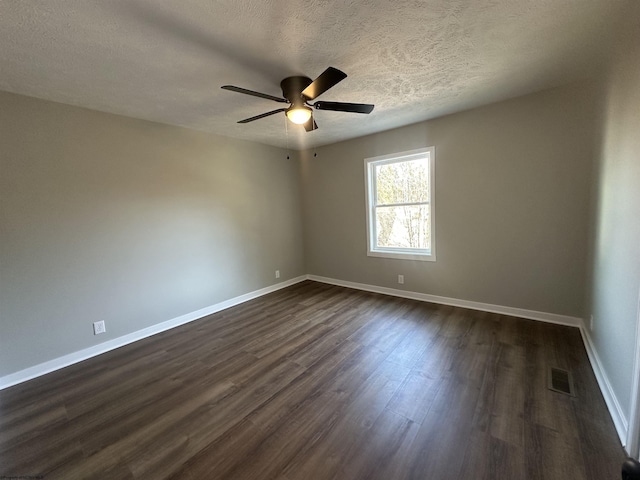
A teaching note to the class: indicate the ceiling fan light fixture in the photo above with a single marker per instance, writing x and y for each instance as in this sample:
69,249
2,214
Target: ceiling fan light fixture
299,115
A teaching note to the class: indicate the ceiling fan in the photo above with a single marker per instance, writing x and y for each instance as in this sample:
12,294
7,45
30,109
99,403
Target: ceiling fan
298,92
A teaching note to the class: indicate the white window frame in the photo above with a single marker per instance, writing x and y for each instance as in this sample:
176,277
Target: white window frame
428,255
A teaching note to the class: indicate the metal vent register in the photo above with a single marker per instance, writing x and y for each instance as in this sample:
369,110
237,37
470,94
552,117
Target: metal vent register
561,381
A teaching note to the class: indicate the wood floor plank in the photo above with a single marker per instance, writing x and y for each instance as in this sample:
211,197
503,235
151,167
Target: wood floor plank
46,452
552,455
137,441
389,435
305,389
318,382
489,458
415,396
374,396
500,409
444,431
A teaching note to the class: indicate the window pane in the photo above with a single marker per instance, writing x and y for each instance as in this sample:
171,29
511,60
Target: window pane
404,227
402,182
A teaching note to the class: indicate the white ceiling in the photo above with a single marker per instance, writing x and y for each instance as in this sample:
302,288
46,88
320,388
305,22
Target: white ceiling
165,60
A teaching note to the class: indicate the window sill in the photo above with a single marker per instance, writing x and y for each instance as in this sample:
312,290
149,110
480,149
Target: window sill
422,257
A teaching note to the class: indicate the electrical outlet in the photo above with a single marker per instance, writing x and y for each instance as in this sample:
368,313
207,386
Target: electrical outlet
99,327
591,325
277,273
401,279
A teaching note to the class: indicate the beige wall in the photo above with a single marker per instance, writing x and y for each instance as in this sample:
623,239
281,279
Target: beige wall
512,204
616,261
109,218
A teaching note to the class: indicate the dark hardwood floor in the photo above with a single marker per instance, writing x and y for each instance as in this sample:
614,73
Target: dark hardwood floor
318,382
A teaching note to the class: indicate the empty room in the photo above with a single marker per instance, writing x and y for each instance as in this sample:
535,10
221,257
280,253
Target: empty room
320,240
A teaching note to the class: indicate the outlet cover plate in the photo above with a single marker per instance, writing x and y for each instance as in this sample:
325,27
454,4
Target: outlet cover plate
99,327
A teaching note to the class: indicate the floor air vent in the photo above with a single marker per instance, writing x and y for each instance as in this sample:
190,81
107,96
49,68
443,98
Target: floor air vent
561,381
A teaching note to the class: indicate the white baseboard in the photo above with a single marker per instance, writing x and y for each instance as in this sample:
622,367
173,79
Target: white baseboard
455,302
613,405
70,359
615,410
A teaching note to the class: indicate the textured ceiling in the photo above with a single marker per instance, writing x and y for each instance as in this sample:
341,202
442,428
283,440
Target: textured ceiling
165,61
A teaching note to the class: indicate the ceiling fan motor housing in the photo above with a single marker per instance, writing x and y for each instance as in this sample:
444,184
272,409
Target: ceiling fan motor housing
292,88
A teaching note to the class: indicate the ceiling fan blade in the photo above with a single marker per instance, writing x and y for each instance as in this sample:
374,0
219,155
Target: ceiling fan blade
258,117
327,79
344,107
310,125
255,94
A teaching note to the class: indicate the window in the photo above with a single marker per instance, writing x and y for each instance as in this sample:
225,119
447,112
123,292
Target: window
400,208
